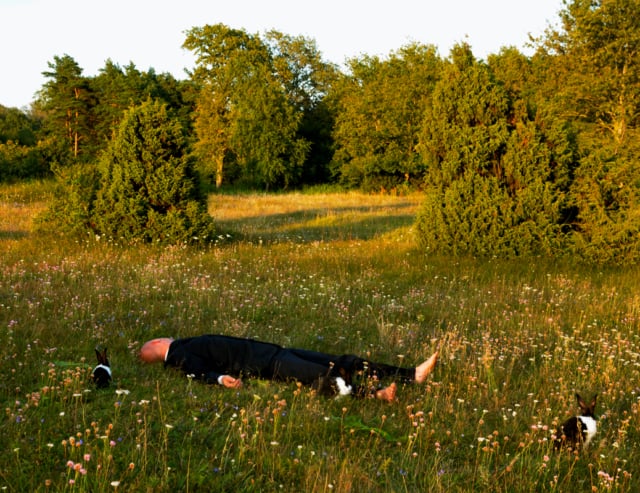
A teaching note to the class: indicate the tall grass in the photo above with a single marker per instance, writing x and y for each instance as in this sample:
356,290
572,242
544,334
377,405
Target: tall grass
333,272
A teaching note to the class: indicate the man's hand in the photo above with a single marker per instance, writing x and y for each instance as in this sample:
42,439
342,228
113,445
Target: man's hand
230,382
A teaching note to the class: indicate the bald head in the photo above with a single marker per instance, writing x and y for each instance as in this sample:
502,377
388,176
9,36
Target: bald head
155,350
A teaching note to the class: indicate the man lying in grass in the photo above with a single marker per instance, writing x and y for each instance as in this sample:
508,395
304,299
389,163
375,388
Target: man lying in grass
224,359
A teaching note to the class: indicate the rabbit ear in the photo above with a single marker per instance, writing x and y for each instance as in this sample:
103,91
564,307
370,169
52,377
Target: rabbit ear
583,405
102,356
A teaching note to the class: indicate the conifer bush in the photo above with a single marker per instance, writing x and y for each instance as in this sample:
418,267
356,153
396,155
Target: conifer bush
607,195
144,187
497,176
71,210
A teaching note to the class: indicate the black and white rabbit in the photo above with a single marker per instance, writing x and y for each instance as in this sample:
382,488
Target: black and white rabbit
339,378
578,430
101,374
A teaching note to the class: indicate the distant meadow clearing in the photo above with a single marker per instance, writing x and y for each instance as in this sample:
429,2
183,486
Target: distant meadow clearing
335,272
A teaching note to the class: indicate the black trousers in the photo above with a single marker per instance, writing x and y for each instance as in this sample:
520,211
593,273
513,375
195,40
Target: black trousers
307,366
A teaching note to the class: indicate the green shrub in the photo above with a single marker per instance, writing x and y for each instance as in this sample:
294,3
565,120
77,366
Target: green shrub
497,176
144,187
607,195
19,162
71,211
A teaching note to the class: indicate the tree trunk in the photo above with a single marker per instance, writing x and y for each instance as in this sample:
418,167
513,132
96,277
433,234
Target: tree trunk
219,170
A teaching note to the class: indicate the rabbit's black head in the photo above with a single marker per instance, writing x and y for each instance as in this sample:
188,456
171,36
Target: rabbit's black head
587,409
102,372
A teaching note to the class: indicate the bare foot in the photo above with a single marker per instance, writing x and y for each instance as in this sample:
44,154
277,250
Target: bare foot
425,368
388,393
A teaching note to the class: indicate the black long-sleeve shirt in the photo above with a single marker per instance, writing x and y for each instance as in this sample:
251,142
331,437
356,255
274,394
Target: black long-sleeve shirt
207,357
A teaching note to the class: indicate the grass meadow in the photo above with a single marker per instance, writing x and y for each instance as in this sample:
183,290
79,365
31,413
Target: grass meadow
336,272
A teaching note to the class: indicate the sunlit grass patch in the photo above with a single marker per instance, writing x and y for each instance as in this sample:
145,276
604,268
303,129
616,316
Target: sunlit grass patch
19,205
302,217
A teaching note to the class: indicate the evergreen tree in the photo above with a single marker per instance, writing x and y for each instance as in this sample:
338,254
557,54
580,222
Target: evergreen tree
606,193
66,101
148,188
144,187
496,177
81,114
117,89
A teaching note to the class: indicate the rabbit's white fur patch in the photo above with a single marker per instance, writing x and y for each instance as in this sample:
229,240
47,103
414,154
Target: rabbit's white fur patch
104,367
591,427
343,388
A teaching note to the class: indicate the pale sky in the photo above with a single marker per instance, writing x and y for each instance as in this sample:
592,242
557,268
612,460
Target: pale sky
150,33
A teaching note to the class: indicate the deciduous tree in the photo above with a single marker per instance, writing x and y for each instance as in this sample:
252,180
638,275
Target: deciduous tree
597,52
244,112
380,110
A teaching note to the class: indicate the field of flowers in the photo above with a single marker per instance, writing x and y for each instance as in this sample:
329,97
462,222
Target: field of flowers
332,272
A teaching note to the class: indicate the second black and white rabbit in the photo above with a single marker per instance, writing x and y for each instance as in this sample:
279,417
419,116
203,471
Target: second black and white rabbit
101,374
578,430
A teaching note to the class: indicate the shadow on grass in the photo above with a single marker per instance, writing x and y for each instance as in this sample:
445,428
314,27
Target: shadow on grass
12,235
322,224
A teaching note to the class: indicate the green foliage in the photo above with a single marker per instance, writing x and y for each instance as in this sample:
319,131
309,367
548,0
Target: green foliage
148,188
254,94
18,127
465,127
81,114
597,58
539,150
380,110
71,212
600,54
265,142
66,100
496,179
143,189
21,155
117,89
516,73
19,162
607,195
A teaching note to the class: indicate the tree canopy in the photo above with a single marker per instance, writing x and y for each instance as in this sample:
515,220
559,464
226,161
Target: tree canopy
381,107
253,97
516,154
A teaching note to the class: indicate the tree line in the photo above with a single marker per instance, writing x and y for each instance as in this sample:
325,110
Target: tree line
516,154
